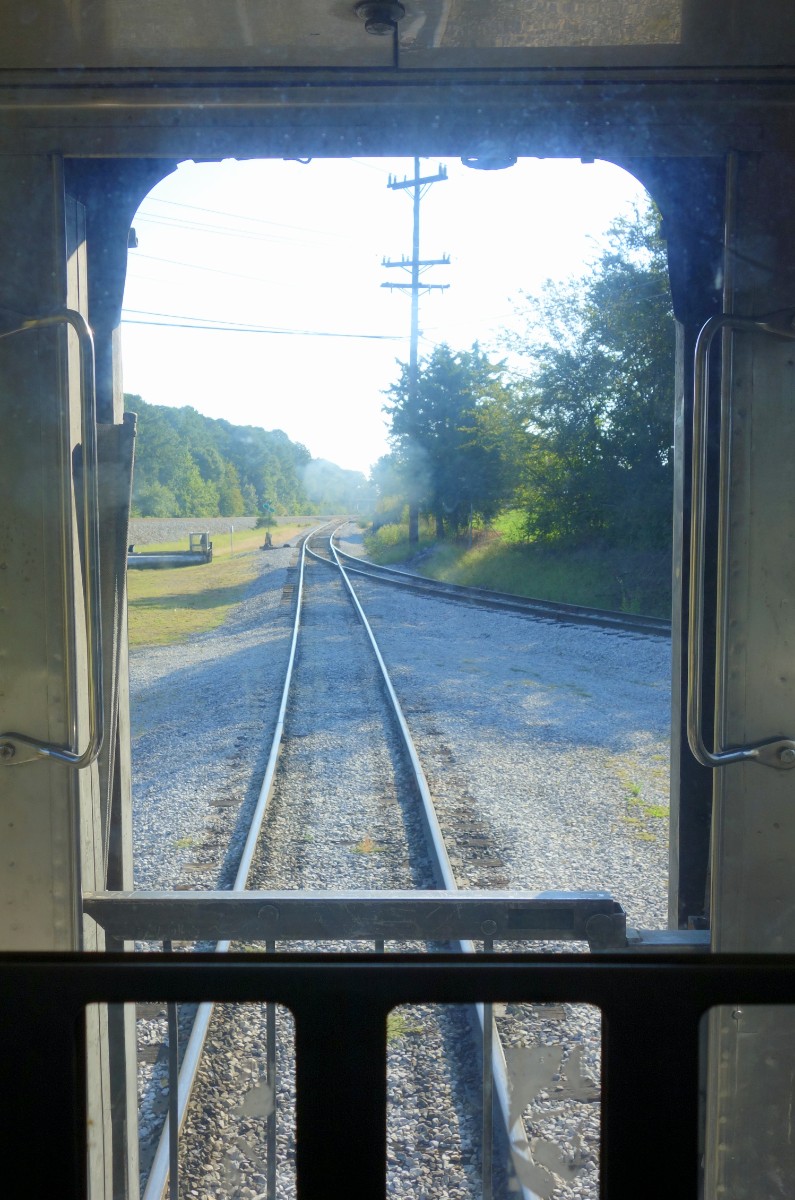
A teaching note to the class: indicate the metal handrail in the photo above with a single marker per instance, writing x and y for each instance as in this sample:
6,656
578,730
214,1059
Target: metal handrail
10,743
776,752
350,915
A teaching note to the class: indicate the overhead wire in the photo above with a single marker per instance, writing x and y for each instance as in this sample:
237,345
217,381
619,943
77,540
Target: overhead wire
201,267
209,324
238,216
207,227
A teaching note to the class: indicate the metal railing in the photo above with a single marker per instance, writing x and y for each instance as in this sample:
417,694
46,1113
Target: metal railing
452,918
651,1007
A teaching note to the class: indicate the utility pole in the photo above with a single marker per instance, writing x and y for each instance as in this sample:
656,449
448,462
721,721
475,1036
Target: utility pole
419,185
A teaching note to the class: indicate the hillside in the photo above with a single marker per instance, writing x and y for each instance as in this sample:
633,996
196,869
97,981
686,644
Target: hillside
194,466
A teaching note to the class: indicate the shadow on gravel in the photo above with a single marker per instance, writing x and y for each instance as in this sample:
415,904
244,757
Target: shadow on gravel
211,598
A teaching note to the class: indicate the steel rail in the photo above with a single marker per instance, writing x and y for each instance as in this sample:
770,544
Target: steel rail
546,609
494,1075
158,1179
495,1070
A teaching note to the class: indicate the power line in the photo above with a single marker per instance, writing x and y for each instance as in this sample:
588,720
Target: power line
210,325
201,267
360,162
301,234
240,216
205,227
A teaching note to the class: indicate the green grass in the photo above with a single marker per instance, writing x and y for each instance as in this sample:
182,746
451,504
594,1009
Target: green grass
174,605
398,1026
598,577
510,525
390,543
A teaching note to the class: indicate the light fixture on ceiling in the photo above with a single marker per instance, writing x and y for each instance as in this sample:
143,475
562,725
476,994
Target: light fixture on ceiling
489,156
380,16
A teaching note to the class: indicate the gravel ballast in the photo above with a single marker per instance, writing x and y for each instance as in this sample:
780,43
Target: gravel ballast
556,736
202,717
546,749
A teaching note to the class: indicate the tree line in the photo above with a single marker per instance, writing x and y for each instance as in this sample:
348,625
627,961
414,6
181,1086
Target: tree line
190,465
574,426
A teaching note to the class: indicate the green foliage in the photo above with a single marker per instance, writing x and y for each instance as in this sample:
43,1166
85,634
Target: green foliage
190,465
389,490
599,576
399,1026
451,439
580,439
390,543
511,525
598,360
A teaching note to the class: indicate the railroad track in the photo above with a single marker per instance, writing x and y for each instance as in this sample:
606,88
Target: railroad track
255,1077
574,614
256,870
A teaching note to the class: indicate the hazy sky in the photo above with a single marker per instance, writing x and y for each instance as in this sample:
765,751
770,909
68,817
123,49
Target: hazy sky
285,246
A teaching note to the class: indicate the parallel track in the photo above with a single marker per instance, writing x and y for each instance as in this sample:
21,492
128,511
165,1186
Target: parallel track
574,614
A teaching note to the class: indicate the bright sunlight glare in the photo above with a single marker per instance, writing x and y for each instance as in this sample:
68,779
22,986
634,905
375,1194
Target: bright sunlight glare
280,264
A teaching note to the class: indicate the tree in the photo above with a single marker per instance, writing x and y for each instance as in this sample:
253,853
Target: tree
443,455
597,355
231,502
196,497
388,484
189,465
334,489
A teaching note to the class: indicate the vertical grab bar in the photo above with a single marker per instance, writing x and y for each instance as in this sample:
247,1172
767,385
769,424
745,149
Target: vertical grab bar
487,1092
10,742
777,752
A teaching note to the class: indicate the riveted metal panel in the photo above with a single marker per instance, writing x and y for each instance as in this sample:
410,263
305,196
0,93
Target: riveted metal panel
753,883
37,800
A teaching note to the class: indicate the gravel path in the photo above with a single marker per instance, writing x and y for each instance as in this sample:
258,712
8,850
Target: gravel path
555,736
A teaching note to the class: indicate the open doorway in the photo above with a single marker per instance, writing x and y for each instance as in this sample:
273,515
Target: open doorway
269,370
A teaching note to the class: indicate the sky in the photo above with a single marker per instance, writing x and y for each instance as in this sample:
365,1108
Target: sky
294,252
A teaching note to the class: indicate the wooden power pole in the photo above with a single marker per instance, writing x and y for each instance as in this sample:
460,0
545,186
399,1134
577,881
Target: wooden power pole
415,265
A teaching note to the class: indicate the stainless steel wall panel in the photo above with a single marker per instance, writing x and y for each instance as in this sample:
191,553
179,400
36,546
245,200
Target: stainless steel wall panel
39,874
750,1143
304,33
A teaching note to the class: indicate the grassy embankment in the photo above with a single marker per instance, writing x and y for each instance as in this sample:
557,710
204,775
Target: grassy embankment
500,559
173,605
